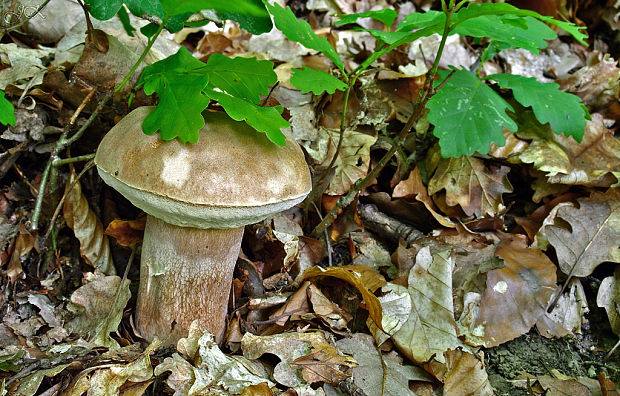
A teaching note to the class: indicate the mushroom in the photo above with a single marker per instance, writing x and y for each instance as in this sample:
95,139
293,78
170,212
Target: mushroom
198,198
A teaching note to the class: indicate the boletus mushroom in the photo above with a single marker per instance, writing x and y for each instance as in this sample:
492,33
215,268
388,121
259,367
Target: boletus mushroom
198,198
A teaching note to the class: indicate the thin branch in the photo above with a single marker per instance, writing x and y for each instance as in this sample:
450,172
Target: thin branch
65,161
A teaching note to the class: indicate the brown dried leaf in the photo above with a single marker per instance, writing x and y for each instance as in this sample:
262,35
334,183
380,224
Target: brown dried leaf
325,363
516,295
261,389
469,183
430,329
24,243
608,297
363,278
567,313
296,305
126,232
413,187
466,375
94,245
593,162
585,236
328,311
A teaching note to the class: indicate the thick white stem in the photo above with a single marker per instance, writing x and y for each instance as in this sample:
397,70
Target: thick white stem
185,274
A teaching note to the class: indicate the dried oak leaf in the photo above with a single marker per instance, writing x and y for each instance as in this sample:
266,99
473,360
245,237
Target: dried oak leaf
413,187
585,236
593,162
94,245
469,183
516,295
466,375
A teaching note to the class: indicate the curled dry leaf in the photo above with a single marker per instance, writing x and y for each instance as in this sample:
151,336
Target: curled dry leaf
94,245
466,375
325,363
23,245
261,389
516,295
587,235
593,162
126,232
329,312
566,316
469,183
608,297
413,187
205,370
109,379
363,278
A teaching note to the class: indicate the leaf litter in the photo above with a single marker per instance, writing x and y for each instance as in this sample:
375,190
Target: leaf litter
525,237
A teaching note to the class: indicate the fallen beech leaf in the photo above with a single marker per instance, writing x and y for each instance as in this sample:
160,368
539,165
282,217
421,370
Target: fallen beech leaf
94,245
469,183
562,386
23,245
326,310
205,370
370,375
109,379
396,307
430,329
593,162
126,232
352,162
516,295
296,305
566,316
103,299
414,187
466,375
286,346
608,297
592,235
363,278
325,363
261,389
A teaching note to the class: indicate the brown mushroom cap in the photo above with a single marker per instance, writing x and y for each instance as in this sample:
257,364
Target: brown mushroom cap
231,177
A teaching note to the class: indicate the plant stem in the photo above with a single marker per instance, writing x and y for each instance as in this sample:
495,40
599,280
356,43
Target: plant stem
64,161
423,96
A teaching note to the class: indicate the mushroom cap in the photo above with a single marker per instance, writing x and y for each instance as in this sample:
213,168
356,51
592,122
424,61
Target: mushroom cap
231,177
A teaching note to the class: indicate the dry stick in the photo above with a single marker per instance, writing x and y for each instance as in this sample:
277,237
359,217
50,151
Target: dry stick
329,245
423,97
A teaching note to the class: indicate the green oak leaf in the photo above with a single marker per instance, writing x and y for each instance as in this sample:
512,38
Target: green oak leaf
509,29
468,115
563,111
264,119
251,14
301,32
245,78
385,16
417,20
477,10
7,111
317,81
178,81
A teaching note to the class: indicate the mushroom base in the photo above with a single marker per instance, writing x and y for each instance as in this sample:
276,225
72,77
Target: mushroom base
185,274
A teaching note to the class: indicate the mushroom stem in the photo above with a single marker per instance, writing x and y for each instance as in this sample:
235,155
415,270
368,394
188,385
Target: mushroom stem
185,275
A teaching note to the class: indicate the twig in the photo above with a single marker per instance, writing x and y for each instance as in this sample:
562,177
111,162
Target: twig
612,351
423,97
327,242
65,161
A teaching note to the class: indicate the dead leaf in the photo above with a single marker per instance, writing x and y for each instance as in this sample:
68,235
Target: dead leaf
94,245
103,299
608,297
29,385
296,305
516,295
593,162
430,329
567,313
466,375
562,386
376,370
469,183
585,236
261,389
413,187
326,310
126,232
324,363
23,245
352,163
363,278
